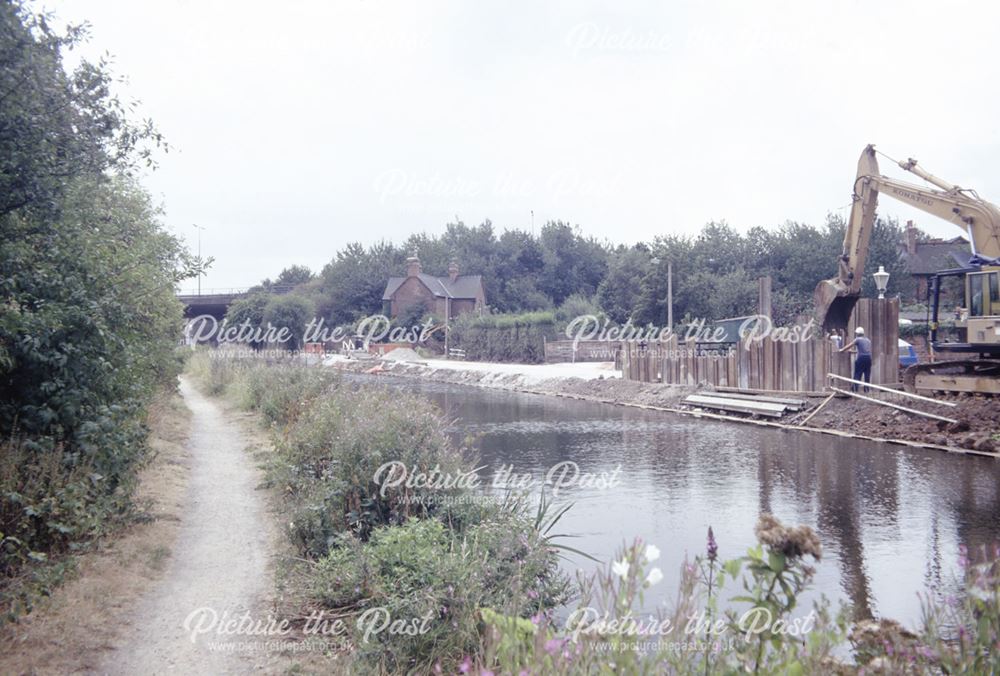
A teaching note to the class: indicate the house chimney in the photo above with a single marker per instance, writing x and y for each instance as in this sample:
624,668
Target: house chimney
413,265
911,238
453,270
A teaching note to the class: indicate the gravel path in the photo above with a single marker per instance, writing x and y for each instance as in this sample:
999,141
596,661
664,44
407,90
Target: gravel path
221,561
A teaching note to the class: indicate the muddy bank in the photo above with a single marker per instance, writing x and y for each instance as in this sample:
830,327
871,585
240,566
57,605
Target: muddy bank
976,430
978,426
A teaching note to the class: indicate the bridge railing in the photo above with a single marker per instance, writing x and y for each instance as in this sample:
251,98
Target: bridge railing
235,291
220,291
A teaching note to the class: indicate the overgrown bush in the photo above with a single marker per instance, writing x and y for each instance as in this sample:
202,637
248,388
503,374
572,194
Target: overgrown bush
280,394
88,317
422,569
329,463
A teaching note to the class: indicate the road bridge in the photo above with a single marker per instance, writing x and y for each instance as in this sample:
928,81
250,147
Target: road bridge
212,302
215,303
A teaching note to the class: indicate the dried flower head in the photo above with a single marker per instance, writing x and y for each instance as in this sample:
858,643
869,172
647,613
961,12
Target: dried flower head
792,542
873,637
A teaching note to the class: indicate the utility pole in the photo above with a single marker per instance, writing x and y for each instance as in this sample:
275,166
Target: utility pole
199,229
447,326
670,294
670,290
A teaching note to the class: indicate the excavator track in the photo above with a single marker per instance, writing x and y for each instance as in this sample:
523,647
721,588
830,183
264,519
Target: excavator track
972,376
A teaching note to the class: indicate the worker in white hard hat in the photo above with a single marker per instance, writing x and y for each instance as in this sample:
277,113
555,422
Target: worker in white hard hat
863,359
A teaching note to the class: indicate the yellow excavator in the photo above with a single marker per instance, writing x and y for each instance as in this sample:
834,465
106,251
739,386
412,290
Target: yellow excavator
979,322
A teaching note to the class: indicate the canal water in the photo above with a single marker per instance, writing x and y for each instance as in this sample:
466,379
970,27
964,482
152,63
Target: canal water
890,518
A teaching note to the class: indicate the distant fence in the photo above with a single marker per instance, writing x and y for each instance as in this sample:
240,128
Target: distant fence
768,364
581,350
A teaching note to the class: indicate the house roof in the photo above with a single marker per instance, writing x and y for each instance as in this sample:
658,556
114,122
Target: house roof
464,286
936,255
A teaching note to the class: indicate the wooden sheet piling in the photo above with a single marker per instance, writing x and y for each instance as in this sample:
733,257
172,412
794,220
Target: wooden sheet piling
780,361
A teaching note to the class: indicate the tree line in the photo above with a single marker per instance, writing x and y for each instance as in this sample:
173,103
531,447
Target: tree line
562,270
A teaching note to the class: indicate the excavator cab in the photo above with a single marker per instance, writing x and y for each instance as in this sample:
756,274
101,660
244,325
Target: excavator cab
982,289
978,335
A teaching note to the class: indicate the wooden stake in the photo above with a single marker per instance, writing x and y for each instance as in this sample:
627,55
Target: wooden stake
816,410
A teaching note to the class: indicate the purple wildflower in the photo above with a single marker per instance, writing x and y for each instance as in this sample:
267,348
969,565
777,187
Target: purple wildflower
553,645
713,548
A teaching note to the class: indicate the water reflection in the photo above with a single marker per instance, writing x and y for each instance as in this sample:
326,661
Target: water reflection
890,519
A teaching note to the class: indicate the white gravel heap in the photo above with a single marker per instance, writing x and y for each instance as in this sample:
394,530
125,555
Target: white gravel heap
402,354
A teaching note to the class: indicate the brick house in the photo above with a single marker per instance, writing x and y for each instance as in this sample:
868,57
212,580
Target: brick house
441,296
923,259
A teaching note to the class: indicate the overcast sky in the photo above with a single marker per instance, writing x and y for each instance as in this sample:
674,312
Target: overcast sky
300,126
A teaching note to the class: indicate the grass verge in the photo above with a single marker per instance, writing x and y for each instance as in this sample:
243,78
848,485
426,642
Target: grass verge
405,566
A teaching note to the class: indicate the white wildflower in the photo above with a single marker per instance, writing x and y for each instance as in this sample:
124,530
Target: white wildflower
620,568
654,576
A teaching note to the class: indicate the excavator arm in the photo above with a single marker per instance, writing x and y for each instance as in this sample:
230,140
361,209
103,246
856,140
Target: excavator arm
835,298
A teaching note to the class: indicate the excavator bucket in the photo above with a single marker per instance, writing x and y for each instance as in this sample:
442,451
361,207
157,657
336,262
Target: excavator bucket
834,298
834,305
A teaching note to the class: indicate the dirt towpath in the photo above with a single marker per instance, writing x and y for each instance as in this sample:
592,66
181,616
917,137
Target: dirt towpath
220,565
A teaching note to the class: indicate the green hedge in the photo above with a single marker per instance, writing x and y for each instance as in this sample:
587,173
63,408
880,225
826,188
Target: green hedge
504,337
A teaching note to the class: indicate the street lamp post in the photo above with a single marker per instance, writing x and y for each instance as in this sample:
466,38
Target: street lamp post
199,229
881,281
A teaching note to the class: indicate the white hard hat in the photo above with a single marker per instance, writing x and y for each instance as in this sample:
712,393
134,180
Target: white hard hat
859,331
